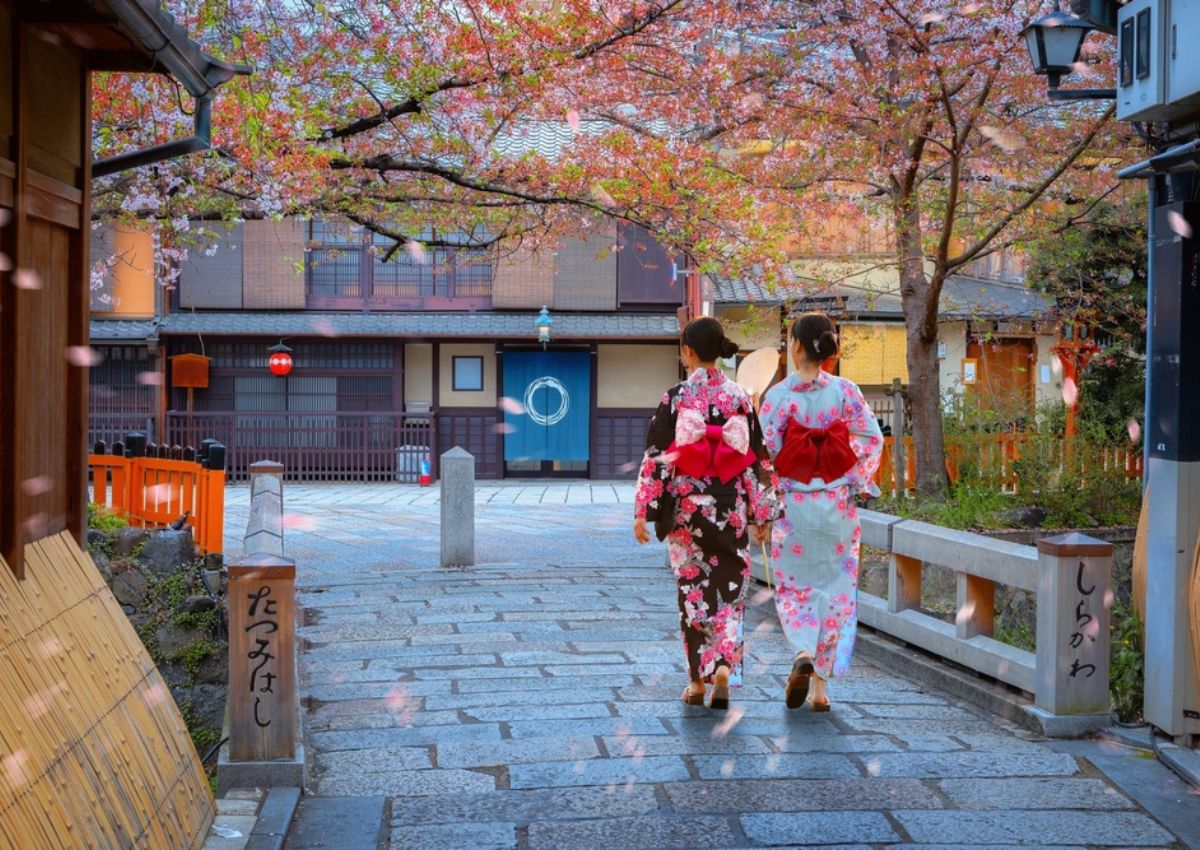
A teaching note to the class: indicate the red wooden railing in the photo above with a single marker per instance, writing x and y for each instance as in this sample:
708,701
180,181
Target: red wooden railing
994,457
153,492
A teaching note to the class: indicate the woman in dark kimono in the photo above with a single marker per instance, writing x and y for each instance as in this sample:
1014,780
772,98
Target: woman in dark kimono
705,456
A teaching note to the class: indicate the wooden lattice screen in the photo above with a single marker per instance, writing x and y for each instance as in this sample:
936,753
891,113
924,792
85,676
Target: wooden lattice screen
93,751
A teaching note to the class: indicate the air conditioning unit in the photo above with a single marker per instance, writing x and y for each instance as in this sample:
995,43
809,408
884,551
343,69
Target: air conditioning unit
1158,74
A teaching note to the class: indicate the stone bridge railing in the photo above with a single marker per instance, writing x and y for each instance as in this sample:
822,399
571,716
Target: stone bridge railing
1067,674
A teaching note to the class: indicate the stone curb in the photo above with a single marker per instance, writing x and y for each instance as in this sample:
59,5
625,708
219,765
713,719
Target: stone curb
1183,761
274,819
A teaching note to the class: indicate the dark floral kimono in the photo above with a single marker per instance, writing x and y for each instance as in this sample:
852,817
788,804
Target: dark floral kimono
706,425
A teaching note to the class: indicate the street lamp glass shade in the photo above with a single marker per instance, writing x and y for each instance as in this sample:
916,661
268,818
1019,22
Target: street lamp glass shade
1054,42
543,323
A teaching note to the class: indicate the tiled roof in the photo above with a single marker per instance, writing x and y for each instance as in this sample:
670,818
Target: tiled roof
485,325
121,329
962,297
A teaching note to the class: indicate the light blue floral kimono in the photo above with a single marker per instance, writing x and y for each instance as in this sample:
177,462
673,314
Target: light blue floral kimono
815,547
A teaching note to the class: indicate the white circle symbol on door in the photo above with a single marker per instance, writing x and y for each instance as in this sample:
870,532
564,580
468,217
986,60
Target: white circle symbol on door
564,400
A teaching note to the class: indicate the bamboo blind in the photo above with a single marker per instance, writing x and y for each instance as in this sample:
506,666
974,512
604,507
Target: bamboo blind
93,751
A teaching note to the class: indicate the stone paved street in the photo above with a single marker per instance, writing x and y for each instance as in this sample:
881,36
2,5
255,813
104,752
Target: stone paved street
531,701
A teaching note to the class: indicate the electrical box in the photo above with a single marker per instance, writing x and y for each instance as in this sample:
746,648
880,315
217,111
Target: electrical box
1183,55
1141,66
1158,75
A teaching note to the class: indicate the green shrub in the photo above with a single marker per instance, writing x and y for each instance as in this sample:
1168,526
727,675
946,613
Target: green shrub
103,519
1127,663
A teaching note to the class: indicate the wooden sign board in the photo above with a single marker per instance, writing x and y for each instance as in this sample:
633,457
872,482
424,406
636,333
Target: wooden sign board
189,371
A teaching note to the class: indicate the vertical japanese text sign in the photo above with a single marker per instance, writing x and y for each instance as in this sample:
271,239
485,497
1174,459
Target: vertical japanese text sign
262,658
1073,604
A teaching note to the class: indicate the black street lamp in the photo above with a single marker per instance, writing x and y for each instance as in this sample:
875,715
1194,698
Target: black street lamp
1054,43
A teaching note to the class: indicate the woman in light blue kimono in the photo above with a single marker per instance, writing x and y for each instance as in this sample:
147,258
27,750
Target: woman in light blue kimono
826,444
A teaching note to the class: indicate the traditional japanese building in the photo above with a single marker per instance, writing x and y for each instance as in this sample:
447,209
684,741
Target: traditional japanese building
397,361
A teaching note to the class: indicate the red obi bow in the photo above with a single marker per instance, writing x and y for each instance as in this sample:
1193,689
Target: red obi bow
810,453
701,450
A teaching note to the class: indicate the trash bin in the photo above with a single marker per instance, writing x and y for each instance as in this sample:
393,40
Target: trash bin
408,463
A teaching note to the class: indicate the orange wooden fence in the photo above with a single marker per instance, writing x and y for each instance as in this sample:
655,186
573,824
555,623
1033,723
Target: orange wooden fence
995,457
155,492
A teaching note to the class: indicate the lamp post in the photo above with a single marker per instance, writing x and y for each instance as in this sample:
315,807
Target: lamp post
1075,350
1054,42
542,324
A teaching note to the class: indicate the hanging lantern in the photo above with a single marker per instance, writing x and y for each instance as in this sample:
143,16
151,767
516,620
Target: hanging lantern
542,323
280,361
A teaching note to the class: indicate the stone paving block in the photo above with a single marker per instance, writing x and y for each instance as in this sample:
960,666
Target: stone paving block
775,766
375,739
230,832
521,686
406,783
650,833
1081,793
817,827
393,719
538,712
545,692
511,751
597,726
804,743
479,673
356,822
918,711
796,723
523,807
521,659
612,771
892,726
969,764
375,761
234,806
669,745
1000,743
992,847
477,836
795,795
1042,828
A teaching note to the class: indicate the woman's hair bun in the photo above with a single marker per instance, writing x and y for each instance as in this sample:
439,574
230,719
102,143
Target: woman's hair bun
729,348
815,333
827,345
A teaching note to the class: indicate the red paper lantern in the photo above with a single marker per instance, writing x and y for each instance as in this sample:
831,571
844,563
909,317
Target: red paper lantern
280,361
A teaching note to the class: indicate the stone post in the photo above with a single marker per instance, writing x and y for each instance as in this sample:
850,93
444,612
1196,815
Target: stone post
1073,603
458,508
261,468
262,658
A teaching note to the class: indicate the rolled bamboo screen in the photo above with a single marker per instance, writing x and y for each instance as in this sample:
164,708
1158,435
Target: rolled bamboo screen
93,751
1139,562
1194,610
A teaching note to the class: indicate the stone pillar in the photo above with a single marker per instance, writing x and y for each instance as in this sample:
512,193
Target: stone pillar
458,508
262,658
262,468
1074,599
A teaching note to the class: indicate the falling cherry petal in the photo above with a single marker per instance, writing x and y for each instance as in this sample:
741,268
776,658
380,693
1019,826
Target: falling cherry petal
1056,367
300,522
155,695
511,405
1070,392
14,768
324,328
37,486
84,356
602,197
1003,139
26,279
5,217
725,726
504,428
573,120
417,251
931,18
971,8
1135,430
150,379
5,262
1179,225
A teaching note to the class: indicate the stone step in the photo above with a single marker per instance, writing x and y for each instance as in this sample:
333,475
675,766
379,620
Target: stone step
338,823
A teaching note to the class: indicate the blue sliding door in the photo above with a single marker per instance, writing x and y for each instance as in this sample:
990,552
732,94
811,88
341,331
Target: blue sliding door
553,389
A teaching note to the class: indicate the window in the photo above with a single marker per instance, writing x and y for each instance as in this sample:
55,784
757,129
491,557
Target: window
1125,53
1143,44
468,374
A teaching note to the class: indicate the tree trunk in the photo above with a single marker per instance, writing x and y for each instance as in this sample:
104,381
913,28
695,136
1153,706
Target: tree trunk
919,300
